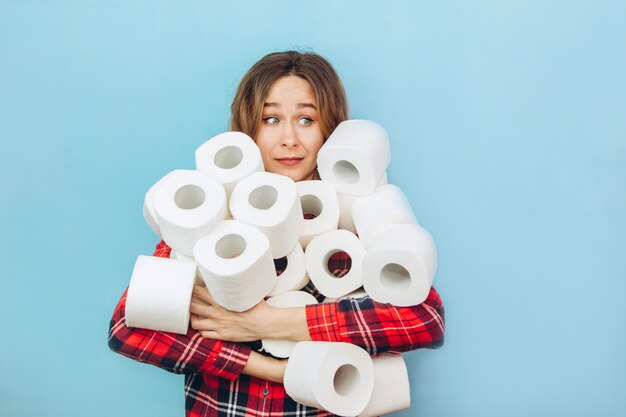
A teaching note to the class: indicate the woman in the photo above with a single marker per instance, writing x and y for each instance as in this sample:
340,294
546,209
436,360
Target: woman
289,103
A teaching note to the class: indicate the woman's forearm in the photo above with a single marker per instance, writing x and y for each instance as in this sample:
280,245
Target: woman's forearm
286,323
264,367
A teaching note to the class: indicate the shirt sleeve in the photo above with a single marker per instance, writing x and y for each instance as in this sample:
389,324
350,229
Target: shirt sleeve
189,353
379,327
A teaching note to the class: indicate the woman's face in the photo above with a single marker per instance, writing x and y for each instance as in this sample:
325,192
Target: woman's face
289,136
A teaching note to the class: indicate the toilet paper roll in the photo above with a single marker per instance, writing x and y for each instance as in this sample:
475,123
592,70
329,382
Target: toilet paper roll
188,204
148,206
271,203
385,206
337,377
159,294
360,293
178,255
283,348
236,264
345,211
400,266
316,257
345,207
320,208
354,157
294,276
391,390
228,158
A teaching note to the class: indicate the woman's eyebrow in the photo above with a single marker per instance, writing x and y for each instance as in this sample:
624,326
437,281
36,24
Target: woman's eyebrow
299,105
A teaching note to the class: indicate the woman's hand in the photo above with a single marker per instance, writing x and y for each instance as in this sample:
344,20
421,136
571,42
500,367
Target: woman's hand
260,322
215,322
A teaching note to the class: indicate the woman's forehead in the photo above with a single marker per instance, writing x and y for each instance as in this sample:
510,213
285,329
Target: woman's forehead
290,90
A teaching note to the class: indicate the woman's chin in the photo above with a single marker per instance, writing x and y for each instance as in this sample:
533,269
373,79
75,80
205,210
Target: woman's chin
294,174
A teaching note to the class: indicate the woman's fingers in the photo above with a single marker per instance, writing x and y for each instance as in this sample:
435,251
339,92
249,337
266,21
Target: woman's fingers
200,308
201,323
202,293
207,334
205,327
224,324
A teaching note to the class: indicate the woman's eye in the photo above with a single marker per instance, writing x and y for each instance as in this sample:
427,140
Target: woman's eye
271,120
305,121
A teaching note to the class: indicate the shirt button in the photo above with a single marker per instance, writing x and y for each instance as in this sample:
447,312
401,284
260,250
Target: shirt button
266,392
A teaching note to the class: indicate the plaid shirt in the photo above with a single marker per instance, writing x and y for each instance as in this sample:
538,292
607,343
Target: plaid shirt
214,384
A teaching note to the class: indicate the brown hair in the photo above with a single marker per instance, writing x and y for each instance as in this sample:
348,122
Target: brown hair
247,107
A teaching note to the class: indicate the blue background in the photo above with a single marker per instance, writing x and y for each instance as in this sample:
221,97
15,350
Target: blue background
508,130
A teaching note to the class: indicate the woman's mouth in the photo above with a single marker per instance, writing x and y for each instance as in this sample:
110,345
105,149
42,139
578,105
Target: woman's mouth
289,161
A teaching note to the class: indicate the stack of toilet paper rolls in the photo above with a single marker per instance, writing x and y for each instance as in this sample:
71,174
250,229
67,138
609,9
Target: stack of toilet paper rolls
228,222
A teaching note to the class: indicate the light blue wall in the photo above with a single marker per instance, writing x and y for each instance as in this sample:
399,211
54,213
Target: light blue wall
508,129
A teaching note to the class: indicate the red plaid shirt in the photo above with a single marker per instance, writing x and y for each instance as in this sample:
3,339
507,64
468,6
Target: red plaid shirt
214,384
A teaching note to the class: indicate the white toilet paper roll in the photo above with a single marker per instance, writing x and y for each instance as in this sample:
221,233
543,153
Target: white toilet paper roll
360,293
354,157
400,266
178,255
345,207
391,391
383,180
159,294
337,377
236,264
385,206
319,251
188,204
319,201
148,206
294,276
270,202
283,348
228,158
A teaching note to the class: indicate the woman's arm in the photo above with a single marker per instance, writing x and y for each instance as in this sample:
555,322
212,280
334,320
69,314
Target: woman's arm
376,327
379,327
260,322
187,353
173,352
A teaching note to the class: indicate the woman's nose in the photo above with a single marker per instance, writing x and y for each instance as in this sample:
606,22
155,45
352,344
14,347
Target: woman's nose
289,138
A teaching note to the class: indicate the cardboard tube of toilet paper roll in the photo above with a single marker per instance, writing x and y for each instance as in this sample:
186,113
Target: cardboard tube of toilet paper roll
316,257
228,158
320,208
385,206
294,276
236,264
354,157
400,266
159,294
337,377
271,203
345,207
283,348
188,204
391,391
